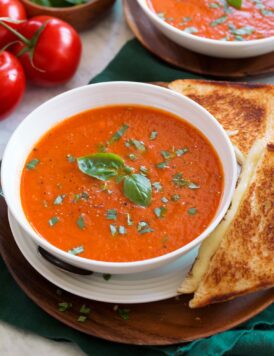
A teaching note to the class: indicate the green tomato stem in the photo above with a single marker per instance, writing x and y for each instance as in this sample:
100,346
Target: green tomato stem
16,33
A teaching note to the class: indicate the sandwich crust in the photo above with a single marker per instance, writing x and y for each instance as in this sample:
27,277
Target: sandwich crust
247,112
244,260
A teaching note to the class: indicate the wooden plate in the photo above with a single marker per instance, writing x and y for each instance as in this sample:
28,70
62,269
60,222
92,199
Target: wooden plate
160,323
153,40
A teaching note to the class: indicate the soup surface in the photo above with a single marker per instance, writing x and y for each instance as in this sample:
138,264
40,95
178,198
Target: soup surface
217,20
161,189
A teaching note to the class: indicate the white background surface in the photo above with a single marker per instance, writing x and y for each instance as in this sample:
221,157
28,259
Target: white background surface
100,45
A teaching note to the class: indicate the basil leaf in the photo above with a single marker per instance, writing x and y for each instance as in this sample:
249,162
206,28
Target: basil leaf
137,188
235,3
102,166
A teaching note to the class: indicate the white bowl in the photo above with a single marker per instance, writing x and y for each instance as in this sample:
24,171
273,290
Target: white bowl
74,101
207,46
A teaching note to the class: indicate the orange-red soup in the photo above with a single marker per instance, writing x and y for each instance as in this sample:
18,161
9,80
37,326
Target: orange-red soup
94,219
217,20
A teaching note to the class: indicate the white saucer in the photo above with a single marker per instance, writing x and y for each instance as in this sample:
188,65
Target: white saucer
151,286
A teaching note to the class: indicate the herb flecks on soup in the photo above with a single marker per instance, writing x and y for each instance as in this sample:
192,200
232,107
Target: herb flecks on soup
216,19
121,183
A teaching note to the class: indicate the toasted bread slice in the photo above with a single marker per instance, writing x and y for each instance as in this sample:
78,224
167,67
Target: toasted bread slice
210,245
245,109
244,260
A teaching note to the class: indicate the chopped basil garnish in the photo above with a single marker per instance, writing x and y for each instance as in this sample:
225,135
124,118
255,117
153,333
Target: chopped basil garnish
267,12
214,5
59,200
76,250
111,214
192,211
161,15
71,158
113,229
122,230
102,148
32,164
137,188
54,220
191,29
175,197
144,228
181,151
139,145
107,276
153,135
82,318
160,212
132,157
192,185
124,313
157,186
64,306
180,182
82,195
166,154
162,165
143,170
81,222
164,200
246,30
129,220
117,135
218,21
84,309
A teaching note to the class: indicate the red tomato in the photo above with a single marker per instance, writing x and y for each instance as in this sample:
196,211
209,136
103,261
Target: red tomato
56,54
12,83
14,10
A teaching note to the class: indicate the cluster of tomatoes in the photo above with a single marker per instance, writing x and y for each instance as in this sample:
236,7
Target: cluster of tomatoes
43,49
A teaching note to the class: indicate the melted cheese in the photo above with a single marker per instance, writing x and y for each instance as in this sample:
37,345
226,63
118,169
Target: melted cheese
211,243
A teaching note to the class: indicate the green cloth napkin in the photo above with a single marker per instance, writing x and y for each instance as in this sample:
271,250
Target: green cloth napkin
255,337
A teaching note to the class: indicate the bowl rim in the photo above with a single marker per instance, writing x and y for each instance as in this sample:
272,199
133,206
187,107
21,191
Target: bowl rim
71,8
202,40
40,240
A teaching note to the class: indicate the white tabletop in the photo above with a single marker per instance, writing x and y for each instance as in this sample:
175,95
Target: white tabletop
100,45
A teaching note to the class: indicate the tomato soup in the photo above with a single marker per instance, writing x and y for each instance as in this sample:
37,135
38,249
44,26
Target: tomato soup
216,19
121,183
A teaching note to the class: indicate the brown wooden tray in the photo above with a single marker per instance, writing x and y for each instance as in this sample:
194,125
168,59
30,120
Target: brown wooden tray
153,40
160,323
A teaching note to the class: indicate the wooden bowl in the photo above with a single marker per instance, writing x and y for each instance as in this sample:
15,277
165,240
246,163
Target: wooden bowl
81,17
